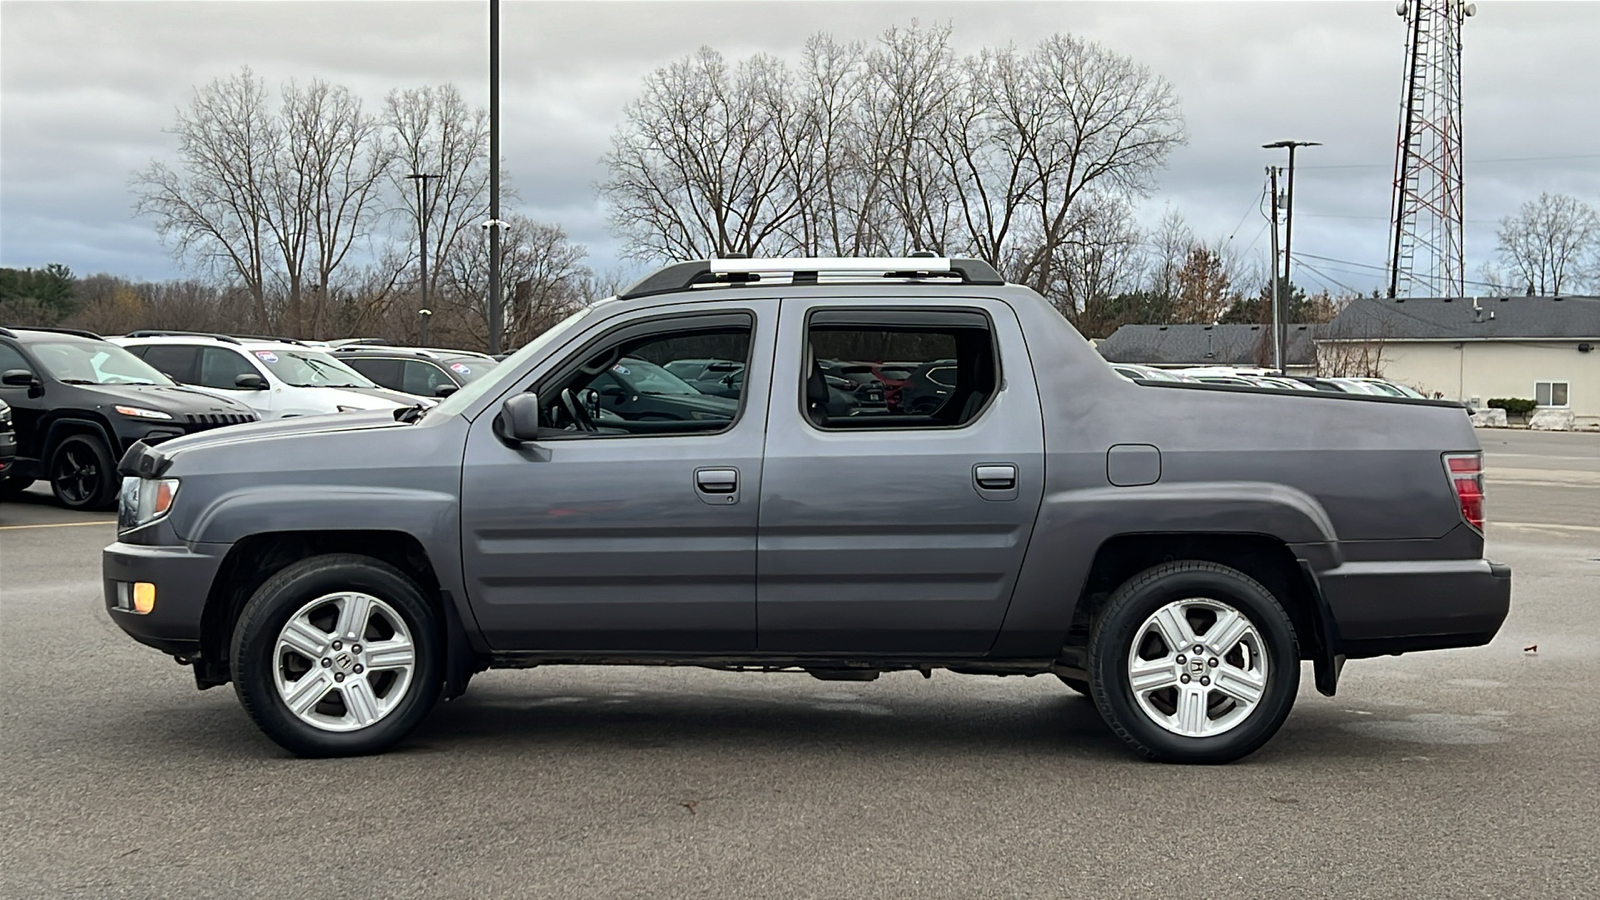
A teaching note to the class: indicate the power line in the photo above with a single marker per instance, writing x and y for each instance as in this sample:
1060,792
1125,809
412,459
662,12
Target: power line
1471,162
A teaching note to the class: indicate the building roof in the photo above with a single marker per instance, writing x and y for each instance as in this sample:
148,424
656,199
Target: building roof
1207,345
1482,318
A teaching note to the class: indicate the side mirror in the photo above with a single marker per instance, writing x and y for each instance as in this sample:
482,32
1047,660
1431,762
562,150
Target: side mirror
250,382
519,415
18,378
445,390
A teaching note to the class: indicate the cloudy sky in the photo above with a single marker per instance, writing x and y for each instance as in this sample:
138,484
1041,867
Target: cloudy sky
89,89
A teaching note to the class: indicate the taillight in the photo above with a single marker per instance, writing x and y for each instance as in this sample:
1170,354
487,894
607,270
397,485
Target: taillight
1466,475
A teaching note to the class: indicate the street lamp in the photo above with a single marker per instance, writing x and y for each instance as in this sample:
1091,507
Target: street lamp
422,235
1279,334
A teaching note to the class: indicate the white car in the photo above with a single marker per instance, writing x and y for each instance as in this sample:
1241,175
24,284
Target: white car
276,378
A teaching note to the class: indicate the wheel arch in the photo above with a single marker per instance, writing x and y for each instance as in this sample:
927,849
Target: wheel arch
1265,558
61,427
257,557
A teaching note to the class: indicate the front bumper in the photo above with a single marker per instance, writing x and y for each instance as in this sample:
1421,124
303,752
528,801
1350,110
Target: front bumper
8,449
182,576
1401,606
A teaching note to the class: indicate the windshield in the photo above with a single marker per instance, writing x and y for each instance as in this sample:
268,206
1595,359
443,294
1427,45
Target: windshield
95,362
311,368
470,369
463,398
648,378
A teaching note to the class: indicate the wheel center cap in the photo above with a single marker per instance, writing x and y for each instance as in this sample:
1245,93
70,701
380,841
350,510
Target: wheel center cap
1196,666
343,662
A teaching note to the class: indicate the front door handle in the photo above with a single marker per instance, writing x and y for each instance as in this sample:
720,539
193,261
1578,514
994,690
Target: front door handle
996,477
719,486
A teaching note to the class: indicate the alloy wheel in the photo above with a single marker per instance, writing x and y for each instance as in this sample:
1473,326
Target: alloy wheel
343,661
1197,667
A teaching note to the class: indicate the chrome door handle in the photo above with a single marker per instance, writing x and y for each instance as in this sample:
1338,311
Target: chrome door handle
996,477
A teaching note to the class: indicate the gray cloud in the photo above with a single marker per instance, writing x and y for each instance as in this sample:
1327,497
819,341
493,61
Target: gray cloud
87,89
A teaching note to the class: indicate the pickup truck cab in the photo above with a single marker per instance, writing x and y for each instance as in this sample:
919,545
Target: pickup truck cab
1174,550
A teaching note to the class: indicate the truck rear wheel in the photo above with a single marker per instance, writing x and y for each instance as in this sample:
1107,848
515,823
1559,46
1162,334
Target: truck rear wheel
1193,662
337,655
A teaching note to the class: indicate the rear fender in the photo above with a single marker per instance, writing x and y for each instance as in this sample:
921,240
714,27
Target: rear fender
1072,526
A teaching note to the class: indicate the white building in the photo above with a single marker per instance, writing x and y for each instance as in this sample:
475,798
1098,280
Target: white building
1477,349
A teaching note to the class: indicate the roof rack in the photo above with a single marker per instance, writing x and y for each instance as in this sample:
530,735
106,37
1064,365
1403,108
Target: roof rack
383,347
686,275
6,332
161,332
76,332
340,343
276,340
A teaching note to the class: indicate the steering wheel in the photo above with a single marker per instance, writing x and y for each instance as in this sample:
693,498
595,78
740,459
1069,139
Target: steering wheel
576,412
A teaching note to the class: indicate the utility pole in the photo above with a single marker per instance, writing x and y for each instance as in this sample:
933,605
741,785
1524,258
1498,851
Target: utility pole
496,306
422,237
1280,329
1277,283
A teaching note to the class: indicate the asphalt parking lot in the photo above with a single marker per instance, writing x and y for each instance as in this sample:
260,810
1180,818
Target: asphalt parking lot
1467,773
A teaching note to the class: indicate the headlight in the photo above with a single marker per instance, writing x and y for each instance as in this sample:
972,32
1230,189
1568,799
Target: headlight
144,500
139,412
5,416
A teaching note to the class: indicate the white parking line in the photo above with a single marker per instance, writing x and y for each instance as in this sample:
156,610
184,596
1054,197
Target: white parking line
57,525
1493,524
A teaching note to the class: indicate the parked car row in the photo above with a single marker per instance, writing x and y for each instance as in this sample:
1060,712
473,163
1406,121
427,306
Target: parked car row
74,401
1249,377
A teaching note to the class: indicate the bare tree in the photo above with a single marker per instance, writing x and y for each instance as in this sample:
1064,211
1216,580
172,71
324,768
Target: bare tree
542,273
433,131
701,161
1549,242
275,201
214,206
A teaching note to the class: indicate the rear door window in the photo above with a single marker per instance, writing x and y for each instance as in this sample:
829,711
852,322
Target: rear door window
172,360
895,369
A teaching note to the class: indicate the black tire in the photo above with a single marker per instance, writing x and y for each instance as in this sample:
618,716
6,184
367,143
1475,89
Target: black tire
255,659
1077,684
1122,620
83,475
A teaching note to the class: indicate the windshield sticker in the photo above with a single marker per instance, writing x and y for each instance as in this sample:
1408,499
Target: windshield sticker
461,368
621,369
266,356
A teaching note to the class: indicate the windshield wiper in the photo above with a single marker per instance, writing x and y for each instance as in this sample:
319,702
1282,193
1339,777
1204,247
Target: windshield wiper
77,381
411,413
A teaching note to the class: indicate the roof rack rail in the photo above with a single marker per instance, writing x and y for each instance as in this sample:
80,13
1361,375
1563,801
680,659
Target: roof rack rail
274,339
339,343
76,332
163,332
686,275
6,332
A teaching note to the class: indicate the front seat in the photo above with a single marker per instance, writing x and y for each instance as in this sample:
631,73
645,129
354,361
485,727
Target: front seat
816,391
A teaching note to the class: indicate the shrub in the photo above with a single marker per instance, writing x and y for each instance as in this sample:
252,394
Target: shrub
1514,406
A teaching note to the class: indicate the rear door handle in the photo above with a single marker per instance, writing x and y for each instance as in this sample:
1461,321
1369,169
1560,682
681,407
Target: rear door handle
996,477
719,486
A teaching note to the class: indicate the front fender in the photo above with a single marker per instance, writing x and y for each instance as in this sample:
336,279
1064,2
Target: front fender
430,516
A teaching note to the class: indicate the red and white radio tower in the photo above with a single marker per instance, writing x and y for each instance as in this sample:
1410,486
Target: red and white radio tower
1426,215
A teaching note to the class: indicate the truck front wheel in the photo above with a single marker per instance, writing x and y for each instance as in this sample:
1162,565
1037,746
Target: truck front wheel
1193,662
337,655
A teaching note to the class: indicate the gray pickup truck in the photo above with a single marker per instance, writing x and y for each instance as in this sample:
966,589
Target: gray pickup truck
1173,550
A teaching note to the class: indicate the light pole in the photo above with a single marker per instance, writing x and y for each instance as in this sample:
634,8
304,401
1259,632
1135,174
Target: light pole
1278,325
424,313
495,308
422,237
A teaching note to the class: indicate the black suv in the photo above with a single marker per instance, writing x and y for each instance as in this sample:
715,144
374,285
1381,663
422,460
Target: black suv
416,371
79,402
